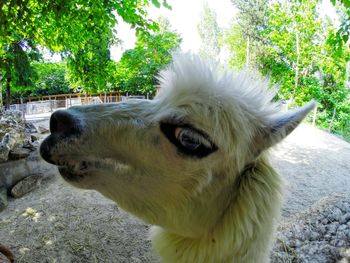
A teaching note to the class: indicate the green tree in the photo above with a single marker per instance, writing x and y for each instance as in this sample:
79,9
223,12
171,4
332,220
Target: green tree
91,69
69,26
46,79
296,37
237,45
305,64
209,33
16,71
138,67
295,54
248,31
342,35
50,79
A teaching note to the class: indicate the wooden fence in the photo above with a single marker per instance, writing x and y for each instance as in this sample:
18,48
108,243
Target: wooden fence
43,104
106,97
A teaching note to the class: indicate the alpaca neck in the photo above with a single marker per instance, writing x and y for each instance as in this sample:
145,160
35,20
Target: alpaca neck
244,232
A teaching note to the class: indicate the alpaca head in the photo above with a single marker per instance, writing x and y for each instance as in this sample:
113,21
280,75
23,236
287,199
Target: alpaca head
162,159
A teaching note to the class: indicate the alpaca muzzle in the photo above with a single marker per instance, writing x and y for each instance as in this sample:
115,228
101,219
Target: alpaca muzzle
63,127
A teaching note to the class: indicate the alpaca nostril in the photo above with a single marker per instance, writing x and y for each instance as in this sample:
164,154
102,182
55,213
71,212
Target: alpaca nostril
64,122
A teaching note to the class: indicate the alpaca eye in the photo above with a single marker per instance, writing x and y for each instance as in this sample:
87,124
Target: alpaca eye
187,138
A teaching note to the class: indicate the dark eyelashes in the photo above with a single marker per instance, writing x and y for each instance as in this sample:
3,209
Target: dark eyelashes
201,151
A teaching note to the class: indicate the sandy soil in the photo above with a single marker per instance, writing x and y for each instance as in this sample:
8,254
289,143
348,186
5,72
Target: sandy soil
56,223
315,164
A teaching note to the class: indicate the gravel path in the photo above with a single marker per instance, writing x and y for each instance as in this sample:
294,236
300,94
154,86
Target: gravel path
315,164
319,234
57,223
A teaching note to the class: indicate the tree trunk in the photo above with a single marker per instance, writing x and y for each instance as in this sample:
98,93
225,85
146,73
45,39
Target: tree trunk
296,65
248,53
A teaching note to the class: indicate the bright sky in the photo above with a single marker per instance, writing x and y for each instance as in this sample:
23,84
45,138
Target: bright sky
184,18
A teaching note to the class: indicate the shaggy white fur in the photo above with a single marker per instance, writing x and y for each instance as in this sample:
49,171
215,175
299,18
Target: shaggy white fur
192,161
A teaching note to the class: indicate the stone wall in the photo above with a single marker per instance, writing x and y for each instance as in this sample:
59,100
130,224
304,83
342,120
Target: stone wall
21,167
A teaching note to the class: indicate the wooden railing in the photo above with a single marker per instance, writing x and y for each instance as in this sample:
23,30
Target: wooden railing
105,97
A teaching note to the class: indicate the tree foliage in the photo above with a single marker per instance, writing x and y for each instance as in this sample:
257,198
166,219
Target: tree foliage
342,35
251,23
15,66
80,29
294,50
50,79
47,79
91,69
67,25
138,67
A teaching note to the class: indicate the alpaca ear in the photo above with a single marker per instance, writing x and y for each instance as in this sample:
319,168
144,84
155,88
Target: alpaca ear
280,126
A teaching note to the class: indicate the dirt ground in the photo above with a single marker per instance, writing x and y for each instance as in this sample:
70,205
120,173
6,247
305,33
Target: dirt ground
57,223
315,164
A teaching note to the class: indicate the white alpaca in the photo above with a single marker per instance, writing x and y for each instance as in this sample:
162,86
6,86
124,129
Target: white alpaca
192,161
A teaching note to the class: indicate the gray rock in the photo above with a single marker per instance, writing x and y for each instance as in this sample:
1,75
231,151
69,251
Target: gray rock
314,236
332,228
36,144
12,139
26,185
30,127
12,114
345,218
34,137
344,206
8,142
324,221
29,145
3,198
4,153
19,153
342,228
327,237
335,214
341,243
317,235
15,135
43,130
298,243
322,230
14,171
